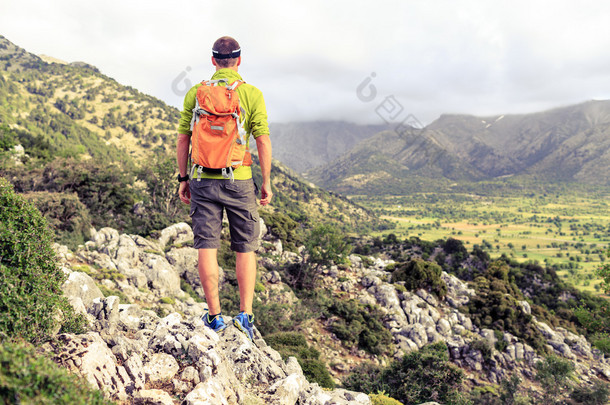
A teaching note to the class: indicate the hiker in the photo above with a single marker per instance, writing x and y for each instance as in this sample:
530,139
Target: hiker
221,178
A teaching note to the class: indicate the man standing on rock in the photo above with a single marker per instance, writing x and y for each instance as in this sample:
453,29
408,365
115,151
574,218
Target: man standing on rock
210,190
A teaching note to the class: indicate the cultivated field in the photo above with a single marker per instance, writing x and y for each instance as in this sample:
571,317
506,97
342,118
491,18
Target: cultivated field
567,231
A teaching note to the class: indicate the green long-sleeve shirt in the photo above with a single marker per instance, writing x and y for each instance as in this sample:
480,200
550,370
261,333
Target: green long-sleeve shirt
251,100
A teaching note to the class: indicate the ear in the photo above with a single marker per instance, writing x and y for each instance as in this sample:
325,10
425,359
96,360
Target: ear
213,61
239,61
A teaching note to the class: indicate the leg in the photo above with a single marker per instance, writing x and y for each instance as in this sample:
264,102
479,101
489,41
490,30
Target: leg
246,278
208,273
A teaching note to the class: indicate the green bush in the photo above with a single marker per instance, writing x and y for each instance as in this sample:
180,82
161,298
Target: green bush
415,379
359,324
32,304
326,244
28,378
596,395
554,375
496,306
418,274
381,399
601,341
284,228
294,344
67,217
484,347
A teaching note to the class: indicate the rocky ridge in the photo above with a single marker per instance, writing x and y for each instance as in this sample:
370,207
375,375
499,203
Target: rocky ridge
156,350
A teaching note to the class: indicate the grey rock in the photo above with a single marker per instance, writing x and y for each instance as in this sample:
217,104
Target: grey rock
89,356
152,397
111,309
272,277
175,234
286,391
130,316
80,285
489,335
162,277
135,369
443,327
211,392
161,367
263,229
293,366
127,254
106,240
369,281
426,296
191,375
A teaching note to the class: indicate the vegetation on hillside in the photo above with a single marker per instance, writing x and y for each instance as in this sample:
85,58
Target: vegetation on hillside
33,309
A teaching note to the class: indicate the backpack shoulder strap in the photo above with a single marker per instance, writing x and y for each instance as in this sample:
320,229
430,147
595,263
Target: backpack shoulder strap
236,84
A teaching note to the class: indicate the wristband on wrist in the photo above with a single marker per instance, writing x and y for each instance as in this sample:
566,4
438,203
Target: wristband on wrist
181,179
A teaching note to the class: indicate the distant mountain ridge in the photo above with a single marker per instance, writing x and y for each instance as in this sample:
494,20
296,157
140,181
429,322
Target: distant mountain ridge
305,145
567,144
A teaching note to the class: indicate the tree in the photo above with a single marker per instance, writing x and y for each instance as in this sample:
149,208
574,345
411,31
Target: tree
604,272
327,244
554,374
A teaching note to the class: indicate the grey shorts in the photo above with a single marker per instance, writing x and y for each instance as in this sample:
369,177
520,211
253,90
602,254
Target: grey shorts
208,199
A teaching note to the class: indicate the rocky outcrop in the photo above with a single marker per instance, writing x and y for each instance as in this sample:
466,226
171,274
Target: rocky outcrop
150,345
137,356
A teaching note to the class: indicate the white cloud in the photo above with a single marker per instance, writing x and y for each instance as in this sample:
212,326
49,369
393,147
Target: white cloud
308,57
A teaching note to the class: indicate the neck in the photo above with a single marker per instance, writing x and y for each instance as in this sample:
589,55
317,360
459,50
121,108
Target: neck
230,67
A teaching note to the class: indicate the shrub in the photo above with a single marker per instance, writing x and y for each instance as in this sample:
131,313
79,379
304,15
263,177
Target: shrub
360,325
294,344
601,341
283,227
365,377
415,379
418,274
382,399
496,305
67,217
28,378
456,248
554,375
326,244
32,304
596,395
484,347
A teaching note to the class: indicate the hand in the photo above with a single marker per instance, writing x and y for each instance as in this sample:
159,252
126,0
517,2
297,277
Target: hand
184,192
266,193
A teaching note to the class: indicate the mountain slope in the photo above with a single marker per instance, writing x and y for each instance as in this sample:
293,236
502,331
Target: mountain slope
565,144
88,139
304,145
79,110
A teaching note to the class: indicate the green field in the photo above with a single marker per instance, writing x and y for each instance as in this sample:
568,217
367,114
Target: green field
569,232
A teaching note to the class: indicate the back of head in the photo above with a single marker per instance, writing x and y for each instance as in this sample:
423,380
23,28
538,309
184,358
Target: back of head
226,52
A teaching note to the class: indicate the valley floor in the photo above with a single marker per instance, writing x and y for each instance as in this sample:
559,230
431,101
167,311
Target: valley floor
570,232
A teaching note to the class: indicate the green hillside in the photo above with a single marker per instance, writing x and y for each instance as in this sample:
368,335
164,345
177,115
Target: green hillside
92,152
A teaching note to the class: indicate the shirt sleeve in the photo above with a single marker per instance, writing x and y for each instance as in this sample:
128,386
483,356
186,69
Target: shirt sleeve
184,126
258,120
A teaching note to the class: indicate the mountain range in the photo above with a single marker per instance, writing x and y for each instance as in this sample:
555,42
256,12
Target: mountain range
567,144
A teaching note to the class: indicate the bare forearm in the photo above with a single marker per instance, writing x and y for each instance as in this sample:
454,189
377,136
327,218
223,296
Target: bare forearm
263,145
182,153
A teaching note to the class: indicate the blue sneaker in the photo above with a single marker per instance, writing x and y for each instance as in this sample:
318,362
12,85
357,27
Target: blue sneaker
216,323
245,323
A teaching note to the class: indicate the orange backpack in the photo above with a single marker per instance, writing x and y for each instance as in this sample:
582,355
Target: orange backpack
219,138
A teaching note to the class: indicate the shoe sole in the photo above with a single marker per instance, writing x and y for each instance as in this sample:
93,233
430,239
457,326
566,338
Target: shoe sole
242,329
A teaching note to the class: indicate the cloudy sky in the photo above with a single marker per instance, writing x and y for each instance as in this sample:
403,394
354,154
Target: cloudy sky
340,60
